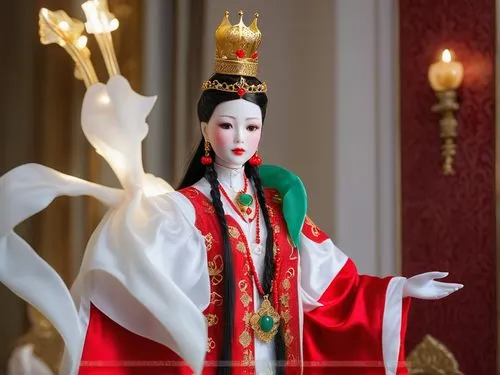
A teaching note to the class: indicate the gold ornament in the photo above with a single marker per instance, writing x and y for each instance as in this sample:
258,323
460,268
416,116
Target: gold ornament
240,87
265,321
57,27
236,47
431,357
237,54
101,22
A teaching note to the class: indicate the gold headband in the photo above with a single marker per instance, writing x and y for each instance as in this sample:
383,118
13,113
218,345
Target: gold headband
241,87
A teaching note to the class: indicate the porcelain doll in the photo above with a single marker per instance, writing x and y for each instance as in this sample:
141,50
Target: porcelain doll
225,275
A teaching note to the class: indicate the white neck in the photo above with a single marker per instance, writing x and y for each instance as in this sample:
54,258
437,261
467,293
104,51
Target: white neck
232,178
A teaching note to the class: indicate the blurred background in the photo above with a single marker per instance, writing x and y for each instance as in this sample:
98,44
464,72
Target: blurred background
349,112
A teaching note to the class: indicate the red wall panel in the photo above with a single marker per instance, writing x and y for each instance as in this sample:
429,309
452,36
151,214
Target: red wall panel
448,223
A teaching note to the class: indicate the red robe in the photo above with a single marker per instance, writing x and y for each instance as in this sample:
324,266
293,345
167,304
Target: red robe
342,336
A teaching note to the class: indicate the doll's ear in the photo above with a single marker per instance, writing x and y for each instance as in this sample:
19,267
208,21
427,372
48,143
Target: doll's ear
204,126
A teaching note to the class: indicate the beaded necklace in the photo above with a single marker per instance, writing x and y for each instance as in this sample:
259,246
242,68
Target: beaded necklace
265,321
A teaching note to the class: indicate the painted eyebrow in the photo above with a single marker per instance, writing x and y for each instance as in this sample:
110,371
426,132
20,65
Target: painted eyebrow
234,118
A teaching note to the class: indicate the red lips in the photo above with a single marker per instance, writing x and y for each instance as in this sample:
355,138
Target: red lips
238,151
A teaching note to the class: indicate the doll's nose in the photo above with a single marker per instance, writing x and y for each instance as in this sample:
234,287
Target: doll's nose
238,137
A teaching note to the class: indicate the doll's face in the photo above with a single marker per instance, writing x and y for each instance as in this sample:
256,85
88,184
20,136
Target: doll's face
234,132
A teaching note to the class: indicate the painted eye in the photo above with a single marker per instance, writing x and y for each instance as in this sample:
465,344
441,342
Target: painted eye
252,128
225,125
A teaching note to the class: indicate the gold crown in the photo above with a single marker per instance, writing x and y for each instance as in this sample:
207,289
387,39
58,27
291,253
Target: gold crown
236,47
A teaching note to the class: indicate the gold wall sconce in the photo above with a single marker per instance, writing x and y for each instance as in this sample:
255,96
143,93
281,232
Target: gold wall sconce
445,76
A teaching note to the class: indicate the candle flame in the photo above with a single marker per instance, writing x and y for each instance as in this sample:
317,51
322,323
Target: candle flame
446,56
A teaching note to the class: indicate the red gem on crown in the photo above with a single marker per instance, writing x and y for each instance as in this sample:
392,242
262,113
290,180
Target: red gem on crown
240,53
241,92
255,55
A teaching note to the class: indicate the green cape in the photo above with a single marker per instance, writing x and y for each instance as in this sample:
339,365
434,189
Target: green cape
293,193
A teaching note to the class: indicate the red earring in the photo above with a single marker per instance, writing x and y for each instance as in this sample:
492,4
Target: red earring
206,159
255,160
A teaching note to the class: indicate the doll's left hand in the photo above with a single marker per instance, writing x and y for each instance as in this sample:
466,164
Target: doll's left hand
424,286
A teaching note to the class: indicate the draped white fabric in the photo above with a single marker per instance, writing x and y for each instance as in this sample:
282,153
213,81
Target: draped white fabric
135,253
24,191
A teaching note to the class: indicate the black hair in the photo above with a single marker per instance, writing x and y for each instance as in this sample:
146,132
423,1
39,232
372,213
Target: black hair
207,103
210,99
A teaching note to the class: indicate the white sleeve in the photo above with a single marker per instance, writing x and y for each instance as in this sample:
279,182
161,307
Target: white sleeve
319,264
183,254
145,267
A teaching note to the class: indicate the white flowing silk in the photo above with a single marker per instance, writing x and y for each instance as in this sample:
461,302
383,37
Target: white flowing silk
126,253
25,191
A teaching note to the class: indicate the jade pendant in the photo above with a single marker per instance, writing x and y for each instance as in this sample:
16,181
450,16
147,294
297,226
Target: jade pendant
245,199
266,323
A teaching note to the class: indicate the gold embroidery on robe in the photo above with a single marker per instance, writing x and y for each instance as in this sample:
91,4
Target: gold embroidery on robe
245,339
245,299
293,249
277,198
209,209
285,302
248,359
247,316
212,319
209,241
210,344
216,299
275,249
286,316
314,228
215,268
288,337
270,211
192,193
240,246
233,232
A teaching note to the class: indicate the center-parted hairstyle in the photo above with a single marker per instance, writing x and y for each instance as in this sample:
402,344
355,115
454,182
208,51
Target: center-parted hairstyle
235,78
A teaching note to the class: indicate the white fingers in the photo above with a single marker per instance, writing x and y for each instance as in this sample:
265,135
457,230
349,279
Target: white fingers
438,275
445,289
448,286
